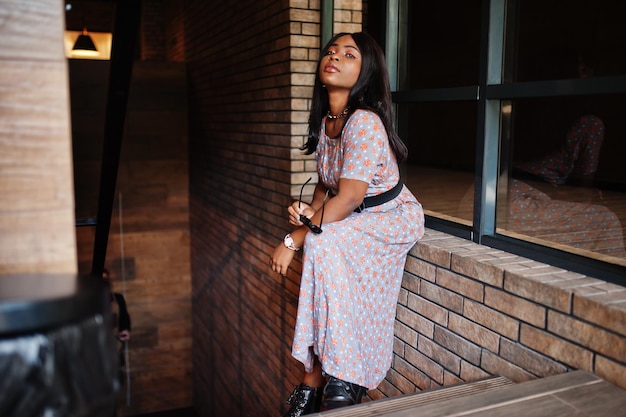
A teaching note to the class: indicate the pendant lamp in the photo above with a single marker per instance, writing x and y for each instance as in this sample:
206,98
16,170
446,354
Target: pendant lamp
84,45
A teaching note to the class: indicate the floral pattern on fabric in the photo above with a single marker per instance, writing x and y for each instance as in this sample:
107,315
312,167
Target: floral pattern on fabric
579,155
586,226
352,272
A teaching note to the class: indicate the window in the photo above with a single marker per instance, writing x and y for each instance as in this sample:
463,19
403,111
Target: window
437,105
441,137
514,113
566,184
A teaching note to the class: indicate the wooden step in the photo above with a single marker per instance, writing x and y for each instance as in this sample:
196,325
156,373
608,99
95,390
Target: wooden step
410,401
572,394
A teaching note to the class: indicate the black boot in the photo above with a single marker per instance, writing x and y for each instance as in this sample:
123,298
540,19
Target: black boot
304,400
338,393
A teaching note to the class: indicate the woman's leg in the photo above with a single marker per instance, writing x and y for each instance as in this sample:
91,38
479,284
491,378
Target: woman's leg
306,398
315,378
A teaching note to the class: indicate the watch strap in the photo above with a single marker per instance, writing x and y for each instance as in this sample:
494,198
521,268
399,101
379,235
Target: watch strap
288,242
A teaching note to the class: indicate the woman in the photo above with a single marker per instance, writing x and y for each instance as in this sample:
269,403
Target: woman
579,155
353,260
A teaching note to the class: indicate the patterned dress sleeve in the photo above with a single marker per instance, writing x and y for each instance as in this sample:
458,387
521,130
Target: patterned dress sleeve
365,147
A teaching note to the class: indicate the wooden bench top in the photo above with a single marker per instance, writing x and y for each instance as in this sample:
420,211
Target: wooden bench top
572,394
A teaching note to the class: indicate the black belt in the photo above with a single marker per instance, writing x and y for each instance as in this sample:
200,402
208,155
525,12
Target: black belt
377,200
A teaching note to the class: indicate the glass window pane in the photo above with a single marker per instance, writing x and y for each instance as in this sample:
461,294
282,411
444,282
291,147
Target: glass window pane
441,138
374,19
444,43
567,182
565,39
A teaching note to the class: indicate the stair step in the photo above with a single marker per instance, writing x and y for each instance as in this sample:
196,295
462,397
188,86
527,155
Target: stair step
408,401
575,393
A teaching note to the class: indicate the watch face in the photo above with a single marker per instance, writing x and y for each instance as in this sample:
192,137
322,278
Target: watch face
288,241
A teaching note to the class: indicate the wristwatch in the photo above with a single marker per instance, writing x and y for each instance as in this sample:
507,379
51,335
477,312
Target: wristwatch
288,242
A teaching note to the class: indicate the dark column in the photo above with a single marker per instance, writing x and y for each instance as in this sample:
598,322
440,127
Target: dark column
57,350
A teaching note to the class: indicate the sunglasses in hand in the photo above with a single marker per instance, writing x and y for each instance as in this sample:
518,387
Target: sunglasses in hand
304,219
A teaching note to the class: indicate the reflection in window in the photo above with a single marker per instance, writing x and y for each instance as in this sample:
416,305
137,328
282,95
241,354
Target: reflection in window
561,182
562,179
567,182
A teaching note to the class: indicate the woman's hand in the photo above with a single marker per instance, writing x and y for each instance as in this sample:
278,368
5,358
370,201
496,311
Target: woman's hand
296,209
281,258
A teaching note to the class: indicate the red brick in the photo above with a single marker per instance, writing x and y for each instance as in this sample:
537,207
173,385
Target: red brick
414,321
424,364
496,365
491,319
403,297
441,296
440,355
534,290
387,389
398,346
474,332
420,268
405,333
432,254
609,316
427,309
610,371
411,283
412,372
516,307
460,284
457,345
470,372
402,384
473,266
450,379
588,336
557,348
529,360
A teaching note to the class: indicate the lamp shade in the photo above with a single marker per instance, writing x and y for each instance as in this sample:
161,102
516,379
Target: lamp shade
84,45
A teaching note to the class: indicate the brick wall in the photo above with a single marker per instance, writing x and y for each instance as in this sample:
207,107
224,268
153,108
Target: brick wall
468,311
460,317
348,16
174,32
154,29
251,74
241,141
465,311
305,46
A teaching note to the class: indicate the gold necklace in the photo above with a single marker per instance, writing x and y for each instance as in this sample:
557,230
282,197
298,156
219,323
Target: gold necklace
341,115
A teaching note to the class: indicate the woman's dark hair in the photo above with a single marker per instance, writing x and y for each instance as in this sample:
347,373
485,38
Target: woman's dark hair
371,92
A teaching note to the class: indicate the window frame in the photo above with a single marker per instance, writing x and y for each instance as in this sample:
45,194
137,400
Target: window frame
489,94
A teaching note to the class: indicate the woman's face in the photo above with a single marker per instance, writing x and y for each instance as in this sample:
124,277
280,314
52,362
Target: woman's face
341,66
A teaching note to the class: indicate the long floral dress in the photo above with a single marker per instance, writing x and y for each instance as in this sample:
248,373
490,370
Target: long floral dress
352,271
